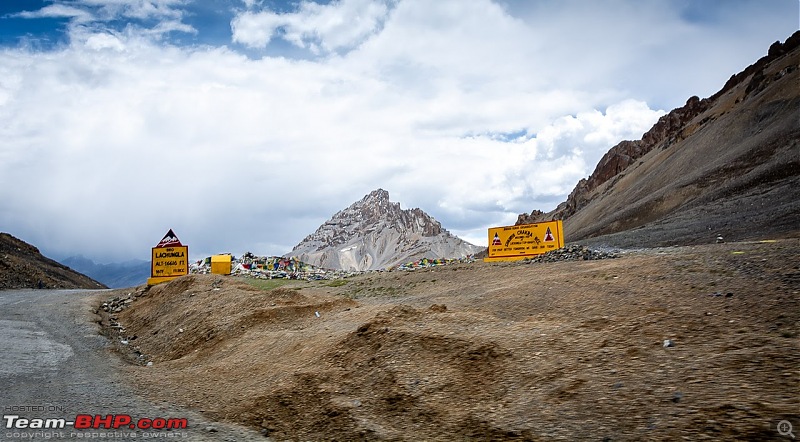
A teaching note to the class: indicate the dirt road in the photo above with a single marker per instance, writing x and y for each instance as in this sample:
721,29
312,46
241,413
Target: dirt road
55,365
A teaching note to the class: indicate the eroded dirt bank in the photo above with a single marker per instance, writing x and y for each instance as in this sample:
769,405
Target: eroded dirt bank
503,351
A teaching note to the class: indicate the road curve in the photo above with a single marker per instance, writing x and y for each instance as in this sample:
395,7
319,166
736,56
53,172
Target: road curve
54,364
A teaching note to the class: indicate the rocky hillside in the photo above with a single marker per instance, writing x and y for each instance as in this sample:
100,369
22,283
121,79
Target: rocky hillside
727,165
375,233
22,266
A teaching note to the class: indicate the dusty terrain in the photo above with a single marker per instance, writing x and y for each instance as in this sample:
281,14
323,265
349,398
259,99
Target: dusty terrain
501,351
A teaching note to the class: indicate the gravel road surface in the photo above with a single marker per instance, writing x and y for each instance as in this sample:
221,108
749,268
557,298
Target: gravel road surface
54,364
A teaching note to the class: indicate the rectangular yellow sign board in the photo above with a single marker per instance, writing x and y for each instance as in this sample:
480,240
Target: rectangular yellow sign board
513,243
170,261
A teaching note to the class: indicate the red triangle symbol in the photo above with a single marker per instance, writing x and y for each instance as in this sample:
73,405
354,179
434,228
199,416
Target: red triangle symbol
496,240
548,236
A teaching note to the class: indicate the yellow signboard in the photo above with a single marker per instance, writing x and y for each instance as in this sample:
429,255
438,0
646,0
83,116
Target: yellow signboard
524,241
170,260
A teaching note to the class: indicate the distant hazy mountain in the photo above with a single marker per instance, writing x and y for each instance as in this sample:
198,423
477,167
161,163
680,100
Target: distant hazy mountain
114,275
374,233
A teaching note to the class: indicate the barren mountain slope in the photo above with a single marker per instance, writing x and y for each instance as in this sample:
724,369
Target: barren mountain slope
22,266
728,165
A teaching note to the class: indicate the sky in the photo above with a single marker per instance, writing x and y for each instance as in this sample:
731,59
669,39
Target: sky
243,125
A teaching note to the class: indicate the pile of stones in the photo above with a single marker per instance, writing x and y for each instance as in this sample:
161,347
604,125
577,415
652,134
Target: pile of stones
426,262
272,267
120,303
117,332
573,252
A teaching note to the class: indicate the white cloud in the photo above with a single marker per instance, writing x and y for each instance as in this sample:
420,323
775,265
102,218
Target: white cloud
140,9
59,11
472,111
91,16
104,41
341,24
254,29
167,26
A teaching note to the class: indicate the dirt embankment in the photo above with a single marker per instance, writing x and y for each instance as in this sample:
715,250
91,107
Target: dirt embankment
502,351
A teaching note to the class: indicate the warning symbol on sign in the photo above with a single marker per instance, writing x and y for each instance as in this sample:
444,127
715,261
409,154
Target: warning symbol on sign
496,241
548,235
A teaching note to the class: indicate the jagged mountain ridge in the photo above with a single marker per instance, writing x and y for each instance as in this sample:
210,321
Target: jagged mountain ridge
375,233
727,165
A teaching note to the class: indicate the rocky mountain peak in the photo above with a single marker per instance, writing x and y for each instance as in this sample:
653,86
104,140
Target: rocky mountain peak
374,206
378,196
375,232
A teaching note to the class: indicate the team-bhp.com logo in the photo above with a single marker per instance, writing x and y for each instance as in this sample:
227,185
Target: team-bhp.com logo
88,421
